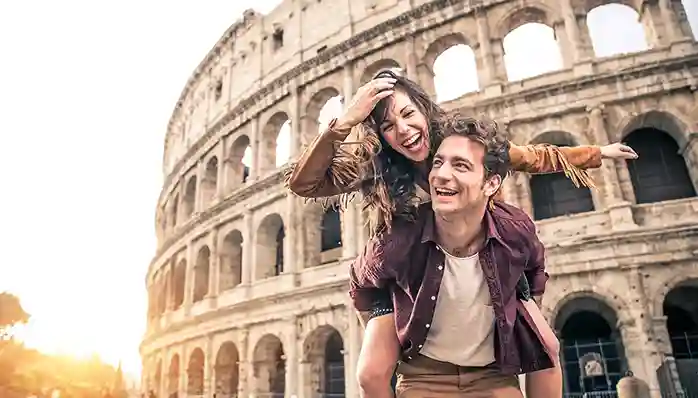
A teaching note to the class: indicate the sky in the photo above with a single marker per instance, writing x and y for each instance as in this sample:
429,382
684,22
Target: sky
86,91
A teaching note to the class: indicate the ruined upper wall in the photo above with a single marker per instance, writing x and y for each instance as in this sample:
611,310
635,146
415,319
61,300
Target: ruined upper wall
259,48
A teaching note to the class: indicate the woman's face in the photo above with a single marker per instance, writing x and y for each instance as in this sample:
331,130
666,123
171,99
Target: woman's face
405,128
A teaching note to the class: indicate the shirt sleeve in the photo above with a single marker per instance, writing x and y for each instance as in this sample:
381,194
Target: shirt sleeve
535,266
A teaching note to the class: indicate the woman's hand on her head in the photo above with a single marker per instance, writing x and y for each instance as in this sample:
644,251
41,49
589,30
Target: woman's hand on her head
363,102
618,151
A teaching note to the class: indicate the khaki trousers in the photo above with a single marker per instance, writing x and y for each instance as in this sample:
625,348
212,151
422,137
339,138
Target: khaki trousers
424,377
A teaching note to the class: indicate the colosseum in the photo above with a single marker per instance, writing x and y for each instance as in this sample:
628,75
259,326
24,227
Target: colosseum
248,287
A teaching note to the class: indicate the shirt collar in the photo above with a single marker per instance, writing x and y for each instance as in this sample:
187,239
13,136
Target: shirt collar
429,228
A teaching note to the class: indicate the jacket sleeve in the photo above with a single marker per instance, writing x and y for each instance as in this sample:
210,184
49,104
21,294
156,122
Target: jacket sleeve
545,158
322,170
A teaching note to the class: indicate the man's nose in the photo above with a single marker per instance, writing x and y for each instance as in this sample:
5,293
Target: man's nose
444,172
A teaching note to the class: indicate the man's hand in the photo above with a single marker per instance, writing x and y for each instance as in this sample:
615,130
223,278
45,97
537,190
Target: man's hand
618,151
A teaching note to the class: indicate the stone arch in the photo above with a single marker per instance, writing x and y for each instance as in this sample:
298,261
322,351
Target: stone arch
375,67
195,372
231,260
610,299
227,370
189,199
555,195
515,30
179,282
661,172
323,350
680,307
270,247
592,351
267,156
173,373
237,171
624,14
313,110
673,281
269,366
202,269
441,56
209,182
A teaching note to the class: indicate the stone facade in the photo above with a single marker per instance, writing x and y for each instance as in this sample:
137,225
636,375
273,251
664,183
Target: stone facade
248,288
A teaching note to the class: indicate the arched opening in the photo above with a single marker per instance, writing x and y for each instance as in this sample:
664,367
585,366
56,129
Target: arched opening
615,29
209,183
231,261
270,247
173,377
555,195
322,107
189,201
528,32
227,370
180,276
681,309
659,173
592,352
269,158
195,373
331,227
324,351
283,144
238,168
201,274
455,73
269,367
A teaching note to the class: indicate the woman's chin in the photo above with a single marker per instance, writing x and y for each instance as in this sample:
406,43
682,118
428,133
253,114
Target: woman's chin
418,155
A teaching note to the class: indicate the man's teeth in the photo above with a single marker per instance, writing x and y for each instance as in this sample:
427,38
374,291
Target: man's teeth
444,191
411,141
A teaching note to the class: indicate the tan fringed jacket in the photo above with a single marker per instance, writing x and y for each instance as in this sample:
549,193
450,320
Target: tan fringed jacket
319,171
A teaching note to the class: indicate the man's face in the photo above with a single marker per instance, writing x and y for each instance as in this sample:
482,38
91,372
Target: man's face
457,177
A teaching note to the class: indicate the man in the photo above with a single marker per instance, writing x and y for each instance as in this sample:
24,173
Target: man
452,275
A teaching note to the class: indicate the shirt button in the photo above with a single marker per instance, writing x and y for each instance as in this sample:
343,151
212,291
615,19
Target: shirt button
420,346
428,325
433,298
441,267
409,357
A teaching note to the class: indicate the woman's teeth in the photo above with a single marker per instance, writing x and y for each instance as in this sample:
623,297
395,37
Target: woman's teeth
445,192
413,141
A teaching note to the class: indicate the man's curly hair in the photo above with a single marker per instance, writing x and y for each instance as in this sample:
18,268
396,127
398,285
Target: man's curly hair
484,131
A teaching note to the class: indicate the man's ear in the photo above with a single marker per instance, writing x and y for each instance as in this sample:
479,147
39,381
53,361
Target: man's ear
493,184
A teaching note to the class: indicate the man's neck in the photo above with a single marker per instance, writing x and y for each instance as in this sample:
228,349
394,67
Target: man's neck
461,234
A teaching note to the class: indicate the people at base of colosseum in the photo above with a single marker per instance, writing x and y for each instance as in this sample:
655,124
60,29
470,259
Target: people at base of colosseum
466,254
390,179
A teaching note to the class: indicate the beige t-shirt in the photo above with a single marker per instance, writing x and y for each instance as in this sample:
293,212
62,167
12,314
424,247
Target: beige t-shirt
462,330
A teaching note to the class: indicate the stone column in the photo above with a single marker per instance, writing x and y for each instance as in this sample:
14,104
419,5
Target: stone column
200,184
247,250
292,359
296,123
671,29
352,347
571,29
689,151
245,368
425,78
213,265
620,210
209,363
161,389
222,176
293,218
183,376
254,148
493,72
412,60
189,278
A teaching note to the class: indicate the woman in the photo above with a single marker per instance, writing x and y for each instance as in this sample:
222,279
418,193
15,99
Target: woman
395,126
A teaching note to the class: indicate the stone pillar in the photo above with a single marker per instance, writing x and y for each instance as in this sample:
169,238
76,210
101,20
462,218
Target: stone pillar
689,151
161,389
412,60
292,359
183,376
296,123
671,29
213,265
619,209
254,148
349,215
247,250
222,176
425,78
245,369
293,219
492,62
571,29
189,278
352,347
200,184
209,363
